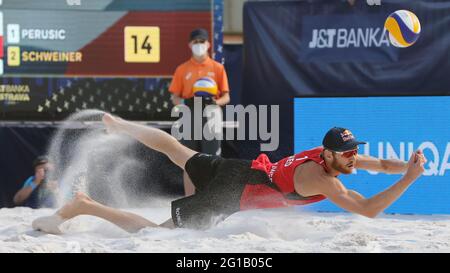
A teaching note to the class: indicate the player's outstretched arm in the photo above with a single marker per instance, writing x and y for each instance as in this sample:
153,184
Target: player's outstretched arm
391,166
371,207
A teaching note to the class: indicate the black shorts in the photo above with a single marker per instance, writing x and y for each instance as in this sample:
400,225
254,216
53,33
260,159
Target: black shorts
219,184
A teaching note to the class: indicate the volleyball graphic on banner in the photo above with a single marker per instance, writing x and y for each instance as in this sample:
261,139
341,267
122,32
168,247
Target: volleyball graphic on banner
403,27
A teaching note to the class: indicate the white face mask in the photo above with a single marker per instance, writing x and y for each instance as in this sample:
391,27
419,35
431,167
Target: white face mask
199,49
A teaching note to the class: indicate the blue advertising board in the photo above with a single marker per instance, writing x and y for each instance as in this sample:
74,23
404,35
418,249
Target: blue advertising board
393,127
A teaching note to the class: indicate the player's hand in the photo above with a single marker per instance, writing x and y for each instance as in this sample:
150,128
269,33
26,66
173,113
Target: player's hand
416,165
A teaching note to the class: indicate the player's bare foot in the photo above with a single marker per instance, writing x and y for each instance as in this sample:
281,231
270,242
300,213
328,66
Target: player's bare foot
48,224
51,224
111,123
75,207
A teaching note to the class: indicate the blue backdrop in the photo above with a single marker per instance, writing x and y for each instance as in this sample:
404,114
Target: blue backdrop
393,127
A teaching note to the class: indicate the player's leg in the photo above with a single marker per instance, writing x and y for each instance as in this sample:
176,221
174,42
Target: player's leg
83,205
189,188
152,137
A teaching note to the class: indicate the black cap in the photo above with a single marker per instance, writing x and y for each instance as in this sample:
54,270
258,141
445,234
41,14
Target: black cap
40,160
340,139
199,33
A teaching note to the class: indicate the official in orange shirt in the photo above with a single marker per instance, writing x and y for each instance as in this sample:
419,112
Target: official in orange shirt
198,66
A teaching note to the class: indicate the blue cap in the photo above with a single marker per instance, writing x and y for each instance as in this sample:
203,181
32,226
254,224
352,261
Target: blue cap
340,140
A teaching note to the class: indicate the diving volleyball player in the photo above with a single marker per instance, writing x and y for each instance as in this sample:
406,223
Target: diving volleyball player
225,186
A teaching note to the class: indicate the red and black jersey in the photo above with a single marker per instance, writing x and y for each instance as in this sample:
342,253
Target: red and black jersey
279,192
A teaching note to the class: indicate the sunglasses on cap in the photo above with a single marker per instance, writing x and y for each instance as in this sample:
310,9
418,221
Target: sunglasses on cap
348,154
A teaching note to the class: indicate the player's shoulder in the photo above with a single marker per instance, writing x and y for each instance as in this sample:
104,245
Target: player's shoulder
328,185
317,173
313,177
310,170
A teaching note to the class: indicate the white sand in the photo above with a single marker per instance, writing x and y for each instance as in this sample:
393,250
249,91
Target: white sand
280,230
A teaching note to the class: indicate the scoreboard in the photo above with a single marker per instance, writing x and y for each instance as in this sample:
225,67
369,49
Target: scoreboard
103,38
53,46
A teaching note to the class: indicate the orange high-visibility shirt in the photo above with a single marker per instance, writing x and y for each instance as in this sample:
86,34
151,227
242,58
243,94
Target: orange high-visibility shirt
189,72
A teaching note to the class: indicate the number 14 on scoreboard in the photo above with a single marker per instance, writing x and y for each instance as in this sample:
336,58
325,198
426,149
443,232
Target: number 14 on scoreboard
142,44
